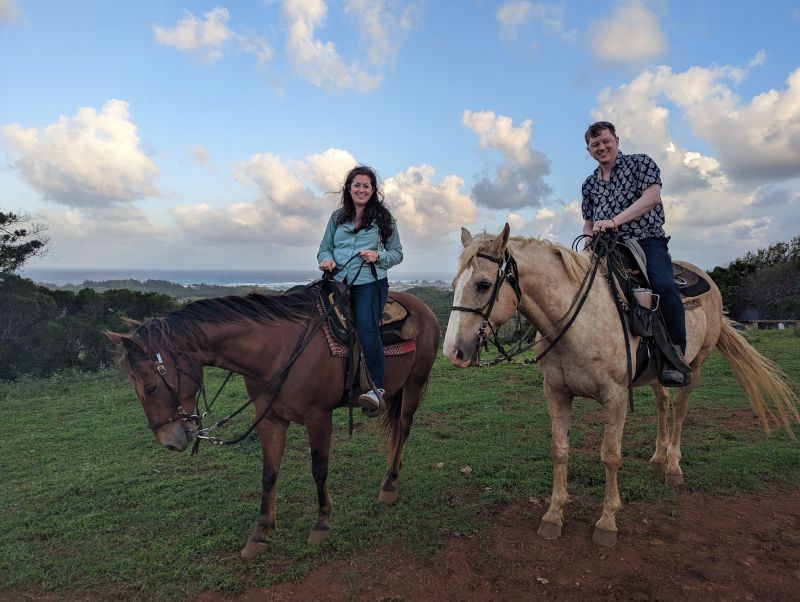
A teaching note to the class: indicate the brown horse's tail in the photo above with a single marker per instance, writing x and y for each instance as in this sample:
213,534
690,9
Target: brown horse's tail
758,376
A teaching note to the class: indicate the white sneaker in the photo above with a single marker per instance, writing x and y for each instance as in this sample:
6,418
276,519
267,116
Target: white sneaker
371,400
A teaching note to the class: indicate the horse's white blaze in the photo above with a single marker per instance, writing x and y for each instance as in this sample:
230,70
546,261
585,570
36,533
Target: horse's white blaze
454,323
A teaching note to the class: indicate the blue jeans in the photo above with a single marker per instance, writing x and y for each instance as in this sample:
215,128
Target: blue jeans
367,301
659,271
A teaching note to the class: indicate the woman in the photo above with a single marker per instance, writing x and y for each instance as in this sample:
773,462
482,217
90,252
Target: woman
362,240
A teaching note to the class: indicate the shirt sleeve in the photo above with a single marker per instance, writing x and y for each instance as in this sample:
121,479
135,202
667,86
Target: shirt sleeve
326,246
392,252
648,173
588,202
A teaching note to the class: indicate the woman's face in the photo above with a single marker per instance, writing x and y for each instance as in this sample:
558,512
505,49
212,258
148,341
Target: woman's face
361,191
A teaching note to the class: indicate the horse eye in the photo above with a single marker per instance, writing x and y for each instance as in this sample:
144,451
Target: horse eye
150,389
483,286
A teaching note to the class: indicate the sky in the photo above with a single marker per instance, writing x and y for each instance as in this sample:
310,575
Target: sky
168,134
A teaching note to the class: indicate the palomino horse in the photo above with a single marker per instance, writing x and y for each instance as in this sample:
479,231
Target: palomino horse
256,336
590,360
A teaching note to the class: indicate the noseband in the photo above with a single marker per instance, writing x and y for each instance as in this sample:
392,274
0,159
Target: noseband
180,412
507,271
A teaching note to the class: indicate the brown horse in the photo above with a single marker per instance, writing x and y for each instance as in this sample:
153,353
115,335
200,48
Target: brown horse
590,360
255,336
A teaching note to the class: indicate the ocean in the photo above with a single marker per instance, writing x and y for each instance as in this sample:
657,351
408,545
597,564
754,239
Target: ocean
274,279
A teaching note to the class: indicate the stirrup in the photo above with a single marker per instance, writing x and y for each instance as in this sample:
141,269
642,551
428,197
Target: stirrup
372,402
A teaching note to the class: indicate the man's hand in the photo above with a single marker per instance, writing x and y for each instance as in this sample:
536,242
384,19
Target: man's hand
603,225
327,265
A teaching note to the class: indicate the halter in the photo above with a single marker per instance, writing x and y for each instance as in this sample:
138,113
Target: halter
174,391
507,271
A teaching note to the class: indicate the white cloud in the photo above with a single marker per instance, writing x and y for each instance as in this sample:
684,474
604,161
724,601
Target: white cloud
519,180
317,61
206,38
428,213
203,38
743,192
630,35
92,159
380,31
754,140
295,199
201,156
515,14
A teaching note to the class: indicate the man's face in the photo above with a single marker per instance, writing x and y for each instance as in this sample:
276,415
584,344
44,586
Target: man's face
603,147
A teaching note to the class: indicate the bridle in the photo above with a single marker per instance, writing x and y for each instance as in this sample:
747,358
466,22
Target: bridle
507,271
179,412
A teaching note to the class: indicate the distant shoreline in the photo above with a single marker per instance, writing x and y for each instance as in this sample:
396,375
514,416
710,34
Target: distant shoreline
271,279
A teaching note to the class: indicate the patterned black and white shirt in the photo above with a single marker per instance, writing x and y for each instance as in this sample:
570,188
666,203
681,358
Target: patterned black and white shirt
631,175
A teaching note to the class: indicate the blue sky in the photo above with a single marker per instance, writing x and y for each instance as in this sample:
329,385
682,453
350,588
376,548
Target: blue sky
165,134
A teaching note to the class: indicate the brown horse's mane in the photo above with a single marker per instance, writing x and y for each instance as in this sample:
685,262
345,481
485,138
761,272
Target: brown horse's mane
182,323
575,264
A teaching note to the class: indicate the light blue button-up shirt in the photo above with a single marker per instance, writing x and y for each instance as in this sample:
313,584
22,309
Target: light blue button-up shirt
340,243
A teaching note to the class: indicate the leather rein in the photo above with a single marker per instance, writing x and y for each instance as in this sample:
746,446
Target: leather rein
508,271
603,245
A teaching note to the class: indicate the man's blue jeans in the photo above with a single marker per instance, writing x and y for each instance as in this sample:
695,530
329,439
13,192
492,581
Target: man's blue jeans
367,301
659,271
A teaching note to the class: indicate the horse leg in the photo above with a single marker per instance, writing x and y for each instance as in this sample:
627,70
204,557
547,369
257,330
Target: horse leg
605,529
319,426
272,433
559,404
661,395
400,429
673,475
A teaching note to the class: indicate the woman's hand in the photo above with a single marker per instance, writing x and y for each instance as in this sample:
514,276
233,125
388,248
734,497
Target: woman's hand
327,265
369,256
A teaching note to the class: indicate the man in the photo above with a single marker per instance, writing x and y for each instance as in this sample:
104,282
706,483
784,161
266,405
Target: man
624,194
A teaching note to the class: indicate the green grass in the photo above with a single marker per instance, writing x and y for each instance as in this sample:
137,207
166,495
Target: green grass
92,505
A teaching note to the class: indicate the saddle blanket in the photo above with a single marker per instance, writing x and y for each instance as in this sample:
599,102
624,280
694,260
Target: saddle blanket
340,350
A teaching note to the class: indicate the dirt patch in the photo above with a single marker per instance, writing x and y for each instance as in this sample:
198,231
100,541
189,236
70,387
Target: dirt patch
702,547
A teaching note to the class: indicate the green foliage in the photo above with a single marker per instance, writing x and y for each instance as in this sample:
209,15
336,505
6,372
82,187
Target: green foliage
764,284
164,287
94,509
18,243
44,331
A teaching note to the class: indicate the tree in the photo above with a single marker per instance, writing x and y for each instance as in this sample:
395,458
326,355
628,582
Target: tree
19,243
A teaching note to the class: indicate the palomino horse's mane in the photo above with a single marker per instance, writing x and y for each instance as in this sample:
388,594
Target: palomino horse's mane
575,264
182,323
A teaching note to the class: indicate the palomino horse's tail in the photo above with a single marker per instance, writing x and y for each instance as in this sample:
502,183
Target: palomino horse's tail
758,376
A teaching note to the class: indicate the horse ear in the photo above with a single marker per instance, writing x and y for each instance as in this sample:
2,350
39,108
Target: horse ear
125,340
465,236
502,239
114,337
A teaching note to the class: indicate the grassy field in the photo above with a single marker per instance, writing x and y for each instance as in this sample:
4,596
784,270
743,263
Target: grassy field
92,506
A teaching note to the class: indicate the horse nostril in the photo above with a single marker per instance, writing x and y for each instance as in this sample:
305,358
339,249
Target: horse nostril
459,354
171,447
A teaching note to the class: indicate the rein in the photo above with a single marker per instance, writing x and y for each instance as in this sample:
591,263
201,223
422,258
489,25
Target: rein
275,383
603,246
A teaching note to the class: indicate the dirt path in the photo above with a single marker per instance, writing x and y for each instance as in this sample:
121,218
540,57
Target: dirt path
707,547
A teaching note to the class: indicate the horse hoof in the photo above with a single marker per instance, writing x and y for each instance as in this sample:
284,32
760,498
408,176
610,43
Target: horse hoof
317,536
387,497
673,479
253,549
605,538
549,530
